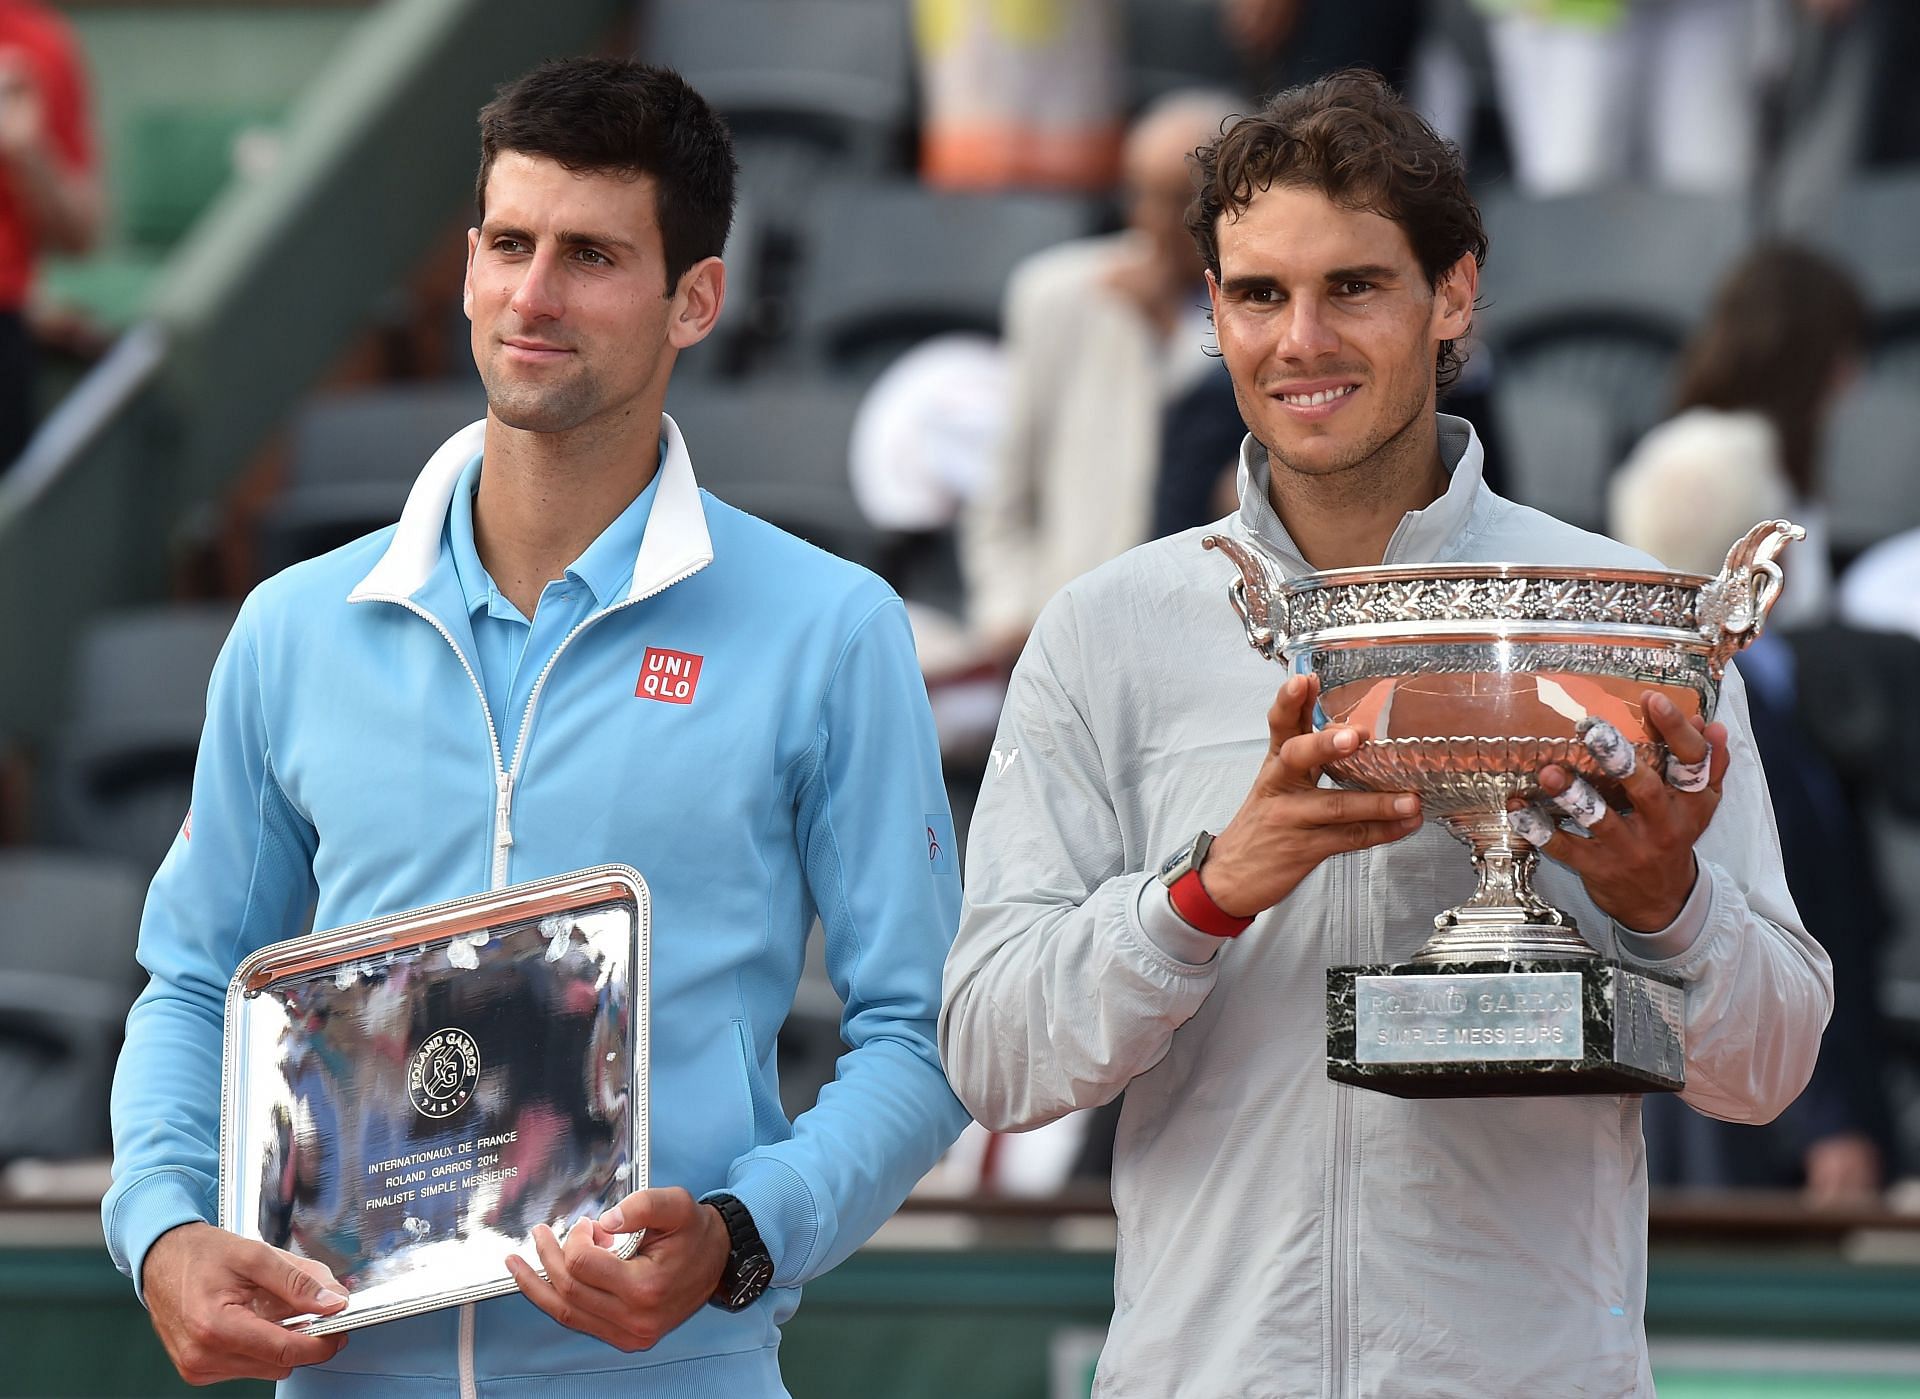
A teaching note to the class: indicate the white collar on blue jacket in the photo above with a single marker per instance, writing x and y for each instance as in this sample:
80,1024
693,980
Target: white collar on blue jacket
676,542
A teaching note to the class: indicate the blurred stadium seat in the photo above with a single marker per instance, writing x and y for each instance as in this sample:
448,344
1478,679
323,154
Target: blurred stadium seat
1559,442
1587,300
383,435
68,923
886,264
179,157
1871,459
777,448
1868,227
176,160
122,774
1175,44
834,72
354,456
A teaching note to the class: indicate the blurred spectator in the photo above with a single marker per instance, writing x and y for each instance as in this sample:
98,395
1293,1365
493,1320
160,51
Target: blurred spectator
1786,333
923,441
1199,453
1102,334
926,432
1892,29
1599,91
1881,592
1289,42
1836,1140
1684,501
1019,93
49,197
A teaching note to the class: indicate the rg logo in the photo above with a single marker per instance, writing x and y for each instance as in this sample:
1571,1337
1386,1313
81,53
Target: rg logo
442,1073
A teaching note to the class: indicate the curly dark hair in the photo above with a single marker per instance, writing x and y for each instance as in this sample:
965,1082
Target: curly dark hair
1353,138
612,115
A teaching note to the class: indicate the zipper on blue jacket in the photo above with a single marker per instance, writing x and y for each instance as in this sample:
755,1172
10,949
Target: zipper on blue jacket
503,780
503,808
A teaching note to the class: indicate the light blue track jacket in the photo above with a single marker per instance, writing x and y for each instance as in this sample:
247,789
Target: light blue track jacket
350,766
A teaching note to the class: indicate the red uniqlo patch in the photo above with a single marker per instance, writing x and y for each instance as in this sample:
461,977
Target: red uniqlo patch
668,676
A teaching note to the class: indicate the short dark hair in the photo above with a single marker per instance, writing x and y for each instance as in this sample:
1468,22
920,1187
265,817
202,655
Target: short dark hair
1353,138
615,116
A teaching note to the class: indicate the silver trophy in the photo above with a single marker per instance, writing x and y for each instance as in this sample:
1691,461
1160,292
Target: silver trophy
404,1099
1468,679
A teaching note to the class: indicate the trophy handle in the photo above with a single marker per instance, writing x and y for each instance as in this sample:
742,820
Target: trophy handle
1252,594
1734,606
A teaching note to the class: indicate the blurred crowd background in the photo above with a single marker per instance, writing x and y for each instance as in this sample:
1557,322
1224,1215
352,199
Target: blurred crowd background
965,344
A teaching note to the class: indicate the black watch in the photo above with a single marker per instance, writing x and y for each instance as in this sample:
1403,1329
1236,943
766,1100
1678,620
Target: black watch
749,1267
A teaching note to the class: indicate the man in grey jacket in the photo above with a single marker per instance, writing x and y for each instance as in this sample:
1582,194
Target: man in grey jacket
1281,1235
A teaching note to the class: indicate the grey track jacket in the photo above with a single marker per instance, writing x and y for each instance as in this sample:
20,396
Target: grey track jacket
1281,1235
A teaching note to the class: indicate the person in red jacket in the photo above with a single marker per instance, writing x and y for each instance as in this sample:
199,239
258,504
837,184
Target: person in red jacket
49,195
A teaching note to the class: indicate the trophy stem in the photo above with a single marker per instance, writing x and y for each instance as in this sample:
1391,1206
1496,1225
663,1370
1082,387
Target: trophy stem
1504,920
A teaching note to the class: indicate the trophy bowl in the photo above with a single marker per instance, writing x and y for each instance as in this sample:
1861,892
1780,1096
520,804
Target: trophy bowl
1465,680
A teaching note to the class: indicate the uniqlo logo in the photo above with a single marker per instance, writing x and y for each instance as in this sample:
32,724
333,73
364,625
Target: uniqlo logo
668,676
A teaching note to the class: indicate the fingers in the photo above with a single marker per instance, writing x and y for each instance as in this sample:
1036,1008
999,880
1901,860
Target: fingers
1686,742
1539,827
278,1348
1693,748
301,1283
226,1341
1340,820
1584,856
1363,835
1581,803
1300,763
662,1210
544,1292
595,1267
216,1301
1336,807
1292,712
1533,826
1612,753
564,1296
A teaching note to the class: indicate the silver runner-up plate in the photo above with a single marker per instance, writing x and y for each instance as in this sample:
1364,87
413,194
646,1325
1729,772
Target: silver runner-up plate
404,1099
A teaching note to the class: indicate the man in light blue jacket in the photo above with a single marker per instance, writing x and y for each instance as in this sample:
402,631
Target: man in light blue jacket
463,701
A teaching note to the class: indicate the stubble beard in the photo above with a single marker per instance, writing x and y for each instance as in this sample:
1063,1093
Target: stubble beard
1371,471
560,406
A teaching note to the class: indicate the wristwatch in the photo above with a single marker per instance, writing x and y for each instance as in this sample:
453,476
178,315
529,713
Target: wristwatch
1181,875
749,1267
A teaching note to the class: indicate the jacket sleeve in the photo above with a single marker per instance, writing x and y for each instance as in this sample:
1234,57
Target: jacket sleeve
1759,988
872,822
239,875
1056,996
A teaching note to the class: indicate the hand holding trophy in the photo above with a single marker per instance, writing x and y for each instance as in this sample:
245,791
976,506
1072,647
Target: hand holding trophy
1511,700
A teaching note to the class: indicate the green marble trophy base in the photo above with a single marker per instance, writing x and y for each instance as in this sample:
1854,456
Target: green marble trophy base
1526,1027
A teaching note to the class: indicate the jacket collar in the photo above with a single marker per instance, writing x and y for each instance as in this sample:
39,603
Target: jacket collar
675,543
1422,534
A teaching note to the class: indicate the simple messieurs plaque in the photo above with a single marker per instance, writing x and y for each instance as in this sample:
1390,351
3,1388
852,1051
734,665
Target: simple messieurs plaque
404,1099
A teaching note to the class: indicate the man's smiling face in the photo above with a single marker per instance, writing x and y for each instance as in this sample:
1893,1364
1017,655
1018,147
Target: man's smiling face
1329,327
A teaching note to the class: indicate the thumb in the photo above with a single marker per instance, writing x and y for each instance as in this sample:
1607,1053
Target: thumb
660,1211
1292,712
1290,716
299,1282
